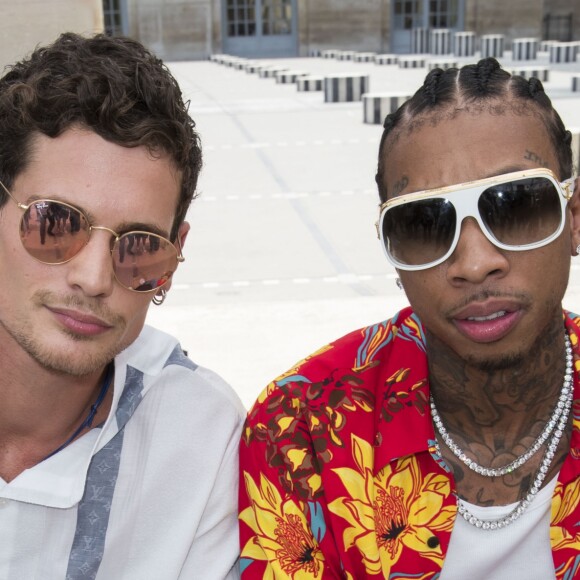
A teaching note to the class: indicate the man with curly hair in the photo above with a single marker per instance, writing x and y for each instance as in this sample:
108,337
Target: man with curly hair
118,454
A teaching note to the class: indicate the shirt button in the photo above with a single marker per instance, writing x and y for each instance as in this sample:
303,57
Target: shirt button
433,542
3,502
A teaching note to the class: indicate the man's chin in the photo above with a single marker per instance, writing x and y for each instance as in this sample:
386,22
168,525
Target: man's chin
496,363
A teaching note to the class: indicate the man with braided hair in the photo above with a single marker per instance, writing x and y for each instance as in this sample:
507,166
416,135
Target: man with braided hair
118,454
444,442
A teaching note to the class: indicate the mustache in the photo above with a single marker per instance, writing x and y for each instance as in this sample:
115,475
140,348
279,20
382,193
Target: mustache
93,306
481,295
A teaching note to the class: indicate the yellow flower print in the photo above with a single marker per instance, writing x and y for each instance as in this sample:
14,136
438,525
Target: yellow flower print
564,503
283,535
397,509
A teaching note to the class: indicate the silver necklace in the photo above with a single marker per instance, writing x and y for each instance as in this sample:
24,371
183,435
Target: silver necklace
549,455
529,453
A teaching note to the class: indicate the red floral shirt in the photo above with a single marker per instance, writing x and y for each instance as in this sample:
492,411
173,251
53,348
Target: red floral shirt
339,475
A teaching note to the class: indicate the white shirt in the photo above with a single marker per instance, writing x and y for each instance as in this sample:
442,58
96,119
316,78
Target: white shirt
152,495
520,551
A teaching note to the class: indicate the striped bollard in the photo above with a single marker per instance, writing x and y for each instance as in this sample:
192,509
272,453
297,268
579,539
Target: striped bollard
464,44
525,48
440,42
420,40
412,62
563,52
288,77
538,72
364,56
377,106
270,71
330,53
442,64
309,83
492,45
345,88
345,55
383,59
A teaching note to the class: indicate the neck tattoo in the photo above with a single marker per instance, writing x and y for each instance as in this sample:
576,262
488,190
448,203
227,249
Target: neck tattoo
552,433
92,411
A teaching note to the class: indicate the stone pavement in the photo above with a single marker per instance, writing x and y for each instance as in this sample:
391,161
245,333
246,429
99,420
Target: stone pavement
282,256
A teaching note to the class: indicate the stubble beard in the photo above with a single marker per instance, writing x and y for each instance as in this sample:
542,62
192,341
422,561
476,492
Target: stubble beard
56,360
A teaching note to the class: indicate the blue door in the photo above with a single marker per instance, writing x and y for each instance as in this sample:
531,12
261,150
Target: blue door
409,14
260,28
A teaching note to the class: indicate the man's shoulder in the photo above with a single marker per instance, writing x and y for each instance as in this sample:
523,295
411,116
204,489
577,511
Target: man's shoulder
158,360
357,360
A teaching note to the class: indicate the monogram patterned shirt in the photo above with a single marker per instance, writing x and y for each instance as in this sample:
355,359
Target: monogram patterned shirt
340,477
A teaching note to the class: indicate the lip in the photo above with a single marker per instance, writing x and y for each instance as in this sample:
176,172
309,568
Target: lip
501,316
80,323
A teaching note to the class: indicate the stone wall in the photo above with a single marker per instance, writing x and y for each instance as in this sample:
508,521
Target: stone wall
25,24
344,24
177,29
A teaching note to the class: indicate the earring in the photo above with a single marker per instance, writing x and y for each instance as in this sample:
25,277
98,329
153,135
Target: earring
399,283
159,298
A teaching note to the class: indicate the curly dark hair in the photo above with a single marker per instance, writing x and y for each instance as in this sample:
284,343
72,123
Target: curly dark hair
474,87
112,86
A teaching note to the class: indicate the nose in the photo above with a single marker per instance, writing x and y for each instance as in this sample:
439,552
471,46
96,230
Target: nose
91,270
475,259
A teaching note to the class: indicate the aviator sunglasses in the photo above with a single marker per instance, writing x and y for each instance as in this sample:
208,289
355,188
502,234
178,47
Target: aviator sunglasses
54,232
517,211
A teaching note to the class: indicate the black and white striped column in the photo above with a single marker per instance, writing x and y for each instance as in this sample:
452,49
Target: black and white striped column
330,53
345,55
464,44
288,77
420,40
386,59
564,52
345,88
525,48
377,106
492,45
364,56
270,71
539,72
309,83
442,63
440,42
412,61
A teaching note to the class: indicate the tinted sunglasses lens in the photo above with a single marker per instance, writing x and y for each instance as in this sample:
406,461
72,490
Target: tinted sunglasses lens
419,232
521,212
53,232
143,261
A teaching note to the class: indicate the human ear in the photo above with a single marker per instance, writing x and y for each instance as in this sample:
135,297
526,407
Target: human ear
574,208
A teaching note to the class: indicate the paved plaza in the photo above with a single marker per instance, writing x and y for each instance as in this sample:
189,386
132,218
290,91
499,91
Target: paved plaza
282,256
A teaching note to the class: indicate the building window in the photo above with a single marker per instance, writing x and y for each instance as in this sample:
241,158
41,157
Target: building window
276,17
443,13
113,17
241,15
407,14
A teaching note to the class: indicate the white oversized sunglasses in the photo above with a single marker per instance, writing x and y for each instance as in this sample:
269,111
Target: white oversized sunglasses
516,211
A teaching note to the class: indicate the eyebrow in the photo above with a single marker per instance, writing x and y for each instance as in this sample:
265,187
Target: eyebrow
122,227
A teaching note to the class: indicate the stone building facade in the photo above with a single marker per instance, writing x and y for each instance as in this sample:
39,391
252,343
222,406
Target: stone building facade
180,29
195,29
27,23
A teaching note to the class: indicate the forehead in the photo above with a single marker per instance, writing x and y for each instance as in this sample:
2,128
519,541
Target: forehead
466,147
107,180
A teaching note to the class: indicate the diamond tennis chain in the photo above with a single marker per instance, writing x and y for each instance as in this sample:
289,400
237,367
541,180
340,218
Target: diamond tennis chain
559,419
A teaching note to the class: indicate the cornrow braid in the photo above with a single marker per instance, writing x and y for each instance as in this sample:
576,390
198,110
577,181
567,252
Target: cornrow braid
474,85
